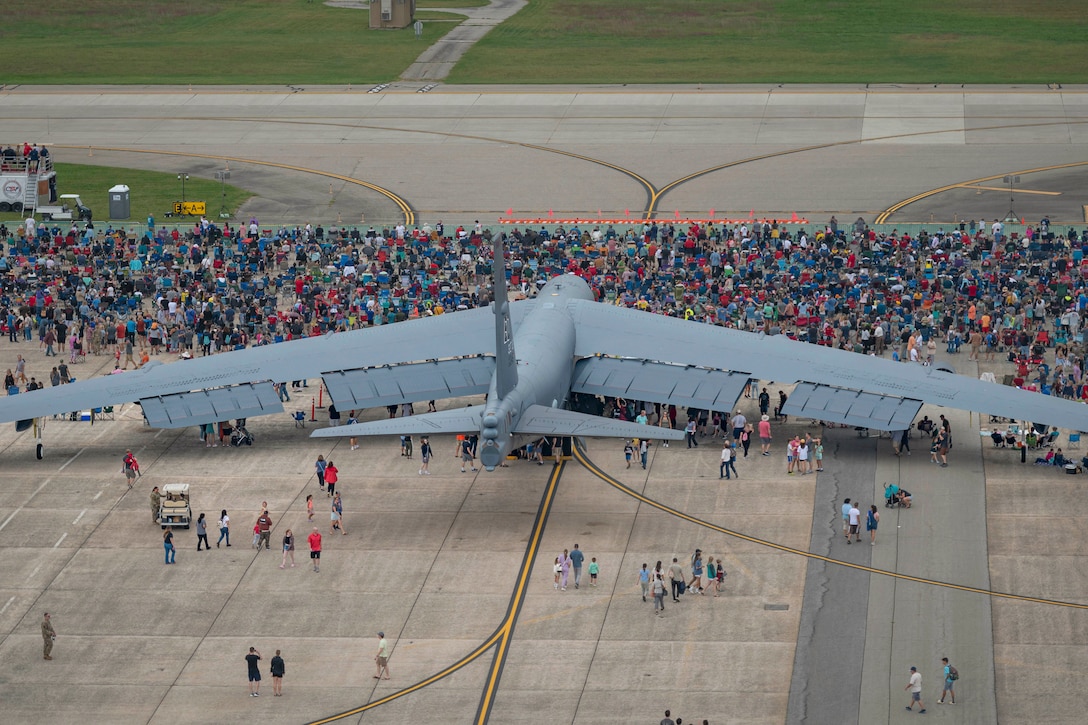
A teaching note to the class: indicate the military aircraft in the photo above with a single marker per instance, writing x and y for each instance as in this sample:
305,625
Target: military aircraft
568,343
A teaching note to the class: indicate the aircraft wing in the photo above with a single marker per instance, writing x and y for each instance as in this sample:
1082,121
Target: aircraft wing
239,384
542,420
644,356
456,420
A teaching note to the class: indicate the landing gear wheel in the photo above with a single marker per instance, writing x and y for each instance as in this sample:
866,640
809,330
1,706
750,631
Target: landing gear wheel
39,452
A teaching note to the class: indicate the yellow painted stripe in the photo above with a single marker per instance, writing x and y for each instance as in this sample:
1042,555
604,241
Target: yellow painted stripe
501,635
882,218
579,454
1016,191
405,207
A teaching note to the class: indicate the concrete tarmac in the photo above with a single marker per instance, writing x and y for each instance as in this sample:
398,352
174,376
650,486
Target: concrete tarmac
436,561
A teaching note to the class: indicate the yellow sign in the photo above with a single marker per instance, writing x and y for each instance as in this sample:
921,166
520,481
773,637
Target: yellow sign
190,208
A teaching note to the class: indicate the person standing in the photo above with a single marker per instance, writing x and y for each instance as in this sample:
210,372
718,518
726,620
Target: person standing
319,467
332,476
156,501
288,551
128,464
731,462
466,455
309,507
764,434
628,452
576,560
764,403
950,677
689,432
727,457
738,422
424,456
254,672
264,528
855,522
676,579
335,516
315,548
224,528
643,451
659,591
746,437
382,658
594,570
644,580
818,454
277,671
802,457
564,568
846,519
49,636
872,519
557,568
202,533
168,546
915,687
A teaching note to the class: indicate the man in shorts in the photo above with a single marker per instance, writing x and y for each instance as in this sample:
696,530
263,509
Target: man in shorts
315,548
915,687
382,658
254,673
854,516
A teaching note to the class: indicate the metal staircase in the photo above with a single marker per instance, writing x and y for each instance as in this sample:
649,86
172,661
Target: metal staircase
30,192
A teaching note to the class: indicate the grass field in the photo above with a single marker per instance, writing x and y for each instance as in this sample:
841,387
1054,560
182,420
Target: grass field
274,42
149,191
795,41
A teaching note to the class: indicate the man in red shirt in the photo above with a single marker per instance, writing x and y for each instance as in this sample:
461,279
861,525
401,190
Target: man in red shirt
315,548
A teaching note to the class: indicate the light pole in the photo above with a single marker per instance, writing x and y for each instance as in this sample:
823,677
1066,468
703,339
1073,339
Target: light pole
222,177
183,178
1011,216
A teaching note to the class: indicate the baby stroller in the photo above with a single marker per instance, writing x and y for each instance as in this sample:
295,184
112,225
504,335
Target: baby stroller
241,437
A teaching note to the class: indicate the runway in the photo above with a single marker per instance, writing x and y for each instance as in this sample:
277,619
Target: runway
456,568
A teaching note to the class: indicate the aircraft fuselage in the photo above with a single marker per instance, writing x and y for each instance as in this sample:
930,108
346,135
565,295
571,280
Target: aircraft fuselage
545,340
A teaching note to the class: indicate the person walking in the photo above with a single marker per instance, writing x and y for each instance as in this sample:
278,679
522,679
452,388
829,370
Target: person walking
335,516
644,580
319,468
466,455
49,636
846,519
950,677
168,546
224,528
872,519
288,549
564,567
264,529
129,466
729,463
689,432
254,672
915,687
277,671
315,548
676,579
202,533
576,560
659,590
156,501
854,516
424,456
309,507
695,586
557,568
764,434
382,658
332,475
746,437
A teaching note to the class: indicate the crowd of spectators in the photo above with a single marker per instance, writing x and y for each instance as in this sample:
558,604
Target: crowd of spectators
205,288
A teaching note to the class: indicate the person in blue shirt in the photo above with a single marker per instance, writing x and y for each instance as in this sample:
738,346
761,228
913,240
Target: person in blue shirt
576,559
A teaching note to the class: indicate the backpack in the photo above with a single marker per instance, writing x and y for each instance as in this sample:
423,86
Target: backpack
953,673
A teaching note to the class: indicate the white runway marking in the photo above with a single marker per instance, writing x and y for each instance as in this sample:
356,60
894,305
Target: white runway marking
69,461
62,538
5,607
9,518
31,574
96,496
81,513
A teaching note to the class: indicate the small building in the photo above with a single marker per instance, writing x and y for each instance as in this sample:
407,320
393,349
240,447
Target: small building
392,13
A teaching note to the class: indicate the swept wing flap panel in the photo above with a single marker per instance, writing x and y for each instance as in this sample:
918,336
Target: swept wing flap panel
852,407
210,406
656,382
389,385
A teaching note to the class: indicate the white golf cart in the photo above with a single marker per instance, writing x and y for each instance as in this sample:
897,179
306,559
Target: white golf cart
174,509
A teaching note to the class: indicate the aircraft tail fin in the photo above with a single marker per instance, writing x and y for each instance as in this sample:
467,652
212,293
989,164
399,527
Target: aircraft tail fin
544,421
455,420
506,361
